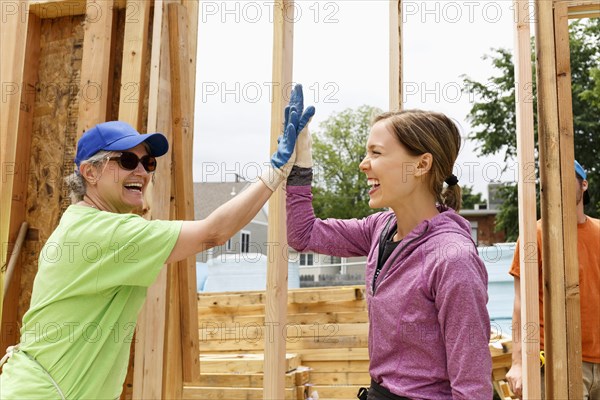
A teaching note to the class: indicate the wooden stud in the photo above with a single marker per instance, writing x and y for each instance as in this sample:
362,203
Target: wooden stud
529,279
554,176
135,43
277,282
95,65
12,63
183,138
152,323
395,55
569,215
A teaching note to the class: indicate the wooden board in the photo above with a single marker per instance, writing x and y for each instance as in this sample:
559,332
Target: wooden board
207,393
95,67
236,299
277,280
135,52
243,363
292,379
183,138
529,293
9,301
395,55
569,215
12,63
306,318
340,378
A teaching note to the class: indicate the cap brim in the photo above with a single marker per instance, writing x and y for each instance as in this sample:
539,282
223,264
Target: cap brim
157,143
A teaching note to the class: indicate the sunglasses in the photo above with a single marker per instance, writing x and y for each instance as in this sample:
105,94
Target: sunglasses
129,161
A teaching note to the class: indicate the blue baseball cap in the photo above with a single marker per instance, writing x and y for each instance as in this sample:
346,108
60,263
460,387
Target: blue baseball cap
581,173
117,136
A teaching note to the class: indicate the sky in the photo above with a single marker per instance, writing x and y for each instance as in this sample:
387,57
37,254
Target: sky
341,56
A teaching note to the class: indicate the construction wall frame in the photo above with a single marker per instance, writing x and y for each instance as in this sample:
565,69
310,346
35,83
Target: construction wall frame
104,60
153,43
559,223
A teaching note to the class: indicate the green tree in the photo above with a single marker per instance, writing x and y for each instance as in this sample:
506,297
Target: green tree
340,188
469,199
494,121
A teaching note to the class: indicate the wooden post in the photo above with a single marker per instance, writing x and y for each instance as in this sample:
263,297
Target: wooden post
569,215
277,268
183,140
530,347
95,65
558,211
135,44
396,55
20,41
150,345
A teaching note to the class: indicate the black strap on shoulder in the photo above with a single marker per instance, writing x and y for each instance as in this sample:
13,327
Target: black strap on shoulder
382,238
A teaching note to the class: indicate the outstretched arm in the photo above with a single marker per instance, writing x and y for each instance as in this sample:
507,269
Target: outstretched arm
229,218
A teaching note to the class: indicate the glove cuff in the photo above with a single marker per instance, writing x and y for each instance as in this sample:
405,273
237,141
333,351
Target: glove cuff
300,176
272,177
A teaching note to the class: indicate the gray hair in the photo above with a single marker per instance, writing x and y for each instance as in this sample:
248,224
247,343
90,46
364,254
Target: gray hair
76,183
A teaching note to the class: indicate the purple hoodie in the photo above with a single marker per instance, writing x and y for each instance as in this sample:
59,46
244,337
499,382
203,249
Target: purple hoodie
429,326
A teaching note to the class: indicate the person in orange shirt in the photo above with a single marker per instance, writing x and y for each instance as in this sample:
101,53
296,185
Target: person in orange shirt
588,250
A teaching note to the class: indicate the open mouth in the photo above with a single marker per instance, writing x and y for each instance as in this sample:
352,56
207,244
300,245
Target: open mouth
134,187
374,183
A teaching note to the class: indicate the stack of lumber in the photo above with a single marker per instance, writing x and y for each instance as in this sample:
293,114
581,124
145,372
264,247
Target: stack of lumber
326,328
240,376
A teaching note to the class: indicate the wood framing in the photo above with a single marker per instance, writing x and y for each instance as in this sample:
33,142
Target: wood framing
395,88
152,324
569,215
16,172
93,103
563,355
528,249
182,106
277,267
14,41
135,45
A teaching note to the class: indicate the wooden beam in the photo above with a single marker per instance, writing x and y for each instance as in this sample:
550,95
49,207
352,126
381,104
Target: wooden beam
135,45
277,267
149,350
569,215
183,141
588,11
14,41
555,175
395,55
65,8
527,203
93,104
19,172
581,8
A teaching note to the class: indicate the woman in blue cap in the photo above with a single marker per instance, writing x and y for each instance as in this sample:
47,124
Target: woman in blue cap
95,268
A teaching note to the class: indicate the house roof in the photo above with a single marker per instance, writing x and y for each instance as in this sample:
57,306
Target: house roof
208,196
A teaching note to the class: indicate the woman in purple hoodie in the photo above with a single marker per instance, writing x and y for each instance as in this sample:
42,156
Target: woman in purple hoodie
429,327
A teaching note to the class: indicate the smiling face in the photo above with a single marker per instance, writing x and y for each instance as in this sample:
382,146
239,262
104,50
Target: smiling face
395,175
113,188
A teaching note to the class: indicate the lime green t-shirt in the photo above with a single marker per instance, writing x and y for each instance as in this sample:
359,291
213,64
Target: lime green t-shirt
93,275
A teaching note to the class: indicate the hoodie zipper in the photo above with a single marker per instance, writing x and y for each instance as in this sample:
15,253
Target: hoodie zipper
390,261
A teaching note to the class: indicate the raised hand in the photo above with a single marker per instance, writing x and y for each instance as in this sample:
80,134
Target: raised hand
295,120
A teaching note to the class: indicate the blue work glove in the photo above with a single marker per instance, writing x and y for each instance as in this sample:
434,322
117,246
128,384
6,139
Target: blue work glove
295,119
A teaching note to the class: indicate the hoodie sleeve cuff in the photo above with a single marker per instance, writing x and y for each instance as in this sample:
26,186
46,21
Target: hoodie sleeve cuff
300,176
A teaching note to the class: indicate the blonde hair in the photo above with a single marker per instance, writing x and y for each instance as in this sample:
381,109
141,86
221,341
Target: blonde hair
423,132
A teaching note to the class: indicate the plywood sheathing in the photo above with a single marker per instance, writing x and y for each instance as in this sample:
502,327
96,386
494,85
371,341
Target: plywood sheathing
52,144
